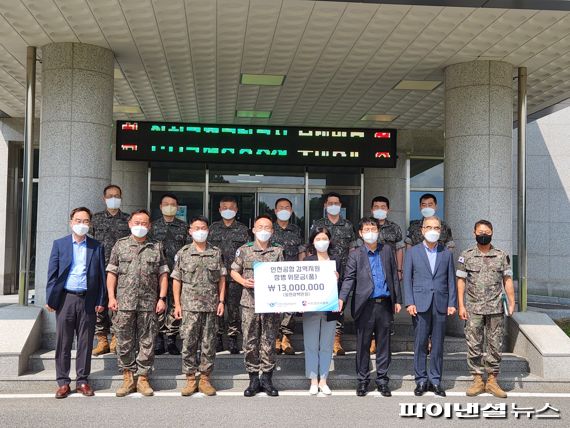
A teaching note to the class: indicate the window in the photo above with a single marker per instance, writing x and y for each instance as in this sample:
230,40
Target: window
426,176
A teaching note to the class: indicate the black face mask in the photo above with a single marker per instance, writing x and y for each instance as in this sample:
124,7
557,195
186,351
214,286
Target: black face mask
483,239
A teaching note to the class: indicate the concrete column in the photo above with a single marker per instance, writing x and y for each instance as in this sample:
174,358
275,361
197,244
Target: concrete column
75,141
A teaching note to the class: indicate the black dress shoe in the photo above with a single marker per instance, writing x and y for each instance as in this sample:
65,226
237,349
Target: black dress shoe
384,390
421,389
438,390
362,389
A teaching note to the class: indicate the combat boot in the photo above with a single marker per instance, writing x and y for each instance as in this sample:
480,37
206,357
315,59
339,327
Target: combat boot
337,348
219,344
144,387
205,386
171,345
278,345
267,384
128,385
477,387
113,345
233,345
102,345
159,345
286,346
191,385
492,387
373,346
253,387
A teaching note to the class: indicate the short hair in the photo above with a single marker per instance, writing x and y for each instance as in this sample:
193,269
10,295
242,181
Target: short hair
311,247
141,211
283,200
433,217
367,220
169,195
381,199
483,223
80,209
266,216
331,195
201,218
111,186
229,199
428,196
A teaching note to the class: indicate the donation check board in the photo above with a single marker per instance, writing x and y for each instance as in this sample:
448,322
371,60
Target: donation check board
295,286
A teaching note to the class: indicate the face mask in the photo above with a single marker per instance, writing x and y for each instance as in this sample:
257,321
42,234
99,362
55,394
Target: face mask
228,214
284,215
113,203
200,235
333,209
139,231
370,237
428,212
431,236
80,229
483,239
322,246
379,214
263,235
169,210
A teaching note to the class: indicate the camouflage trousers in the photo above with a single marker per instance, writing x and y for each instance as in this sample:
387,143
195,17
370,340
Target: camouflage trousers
259,334
479,328
287,327
104,322
198,332
167,324
135,332
231,325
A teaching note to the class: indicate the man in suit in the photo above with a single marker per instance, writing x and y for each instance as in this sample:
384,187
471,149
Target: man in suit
75,291
372,273
429,295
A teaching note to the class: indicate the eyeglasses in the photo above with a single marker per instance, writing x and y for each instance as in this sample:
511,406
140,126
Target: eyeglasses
436,228
79,221
370,229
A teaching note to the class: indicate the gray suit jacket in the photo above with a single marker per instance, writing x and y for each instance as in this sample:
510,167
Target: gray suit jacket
421,286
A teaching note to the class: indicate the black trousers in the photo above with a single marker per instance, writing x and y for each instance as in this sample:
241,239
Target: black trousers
375,318
71,320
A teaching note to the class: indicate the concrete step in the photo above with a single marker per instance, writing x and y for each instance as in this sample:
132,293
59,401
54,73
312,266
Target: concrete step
402,362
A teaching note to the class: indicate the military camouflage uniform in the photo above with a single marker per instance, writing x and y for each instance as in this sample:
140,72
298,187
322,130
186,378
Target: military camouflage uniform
173,236
390,233
290,239
484,274
199,273
228,239
259,330
415,235
107,229
138,267
343,239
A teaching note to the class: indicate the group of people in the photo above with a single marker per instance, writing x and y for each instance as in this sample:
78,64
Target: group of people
144,283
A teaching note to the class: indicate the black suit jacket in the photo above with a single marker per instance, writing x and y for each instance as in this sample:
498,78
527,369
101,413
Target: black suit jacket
59,267
358,277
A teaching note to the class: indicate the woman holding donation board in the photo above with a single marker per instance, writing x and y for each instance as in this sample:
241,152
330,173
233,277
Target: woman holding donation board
319,327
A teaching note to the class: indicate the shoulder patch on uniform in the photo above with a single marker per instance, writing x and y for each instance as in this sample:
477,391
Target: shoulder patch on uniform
249,244
461,259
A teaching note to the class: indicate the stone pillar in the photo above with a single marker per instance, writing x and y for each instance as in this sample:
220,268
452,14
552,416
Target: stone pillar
75,142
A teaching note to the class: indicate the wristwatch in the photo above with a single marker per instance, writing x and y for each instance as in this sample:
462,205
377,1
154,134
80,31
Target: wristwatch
162,298
222,302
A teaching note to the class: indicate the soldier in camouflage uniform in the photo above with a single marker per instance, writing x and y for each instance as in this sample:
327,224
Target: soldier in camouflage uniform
173,234
288,236
343,239
199,280
107,227
228,235
138,272
428,207
259,330
483,275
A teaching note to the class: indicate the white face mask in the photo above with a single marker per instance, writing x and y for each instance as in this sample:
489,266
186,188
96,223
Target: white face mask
169,210
200,235
228,214
283,215
263,235
113,203
322,246
428,212
80,229
432,236
370,237
333,209
139,231
379,214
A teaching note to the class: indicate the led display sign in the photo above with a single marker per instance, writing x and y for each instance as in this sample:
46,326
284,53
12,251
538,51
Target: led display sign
306,146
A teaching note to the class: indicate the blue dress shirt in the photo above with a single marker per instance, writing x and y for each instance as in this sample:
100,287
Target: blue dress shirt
378,276
77,279
432,256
